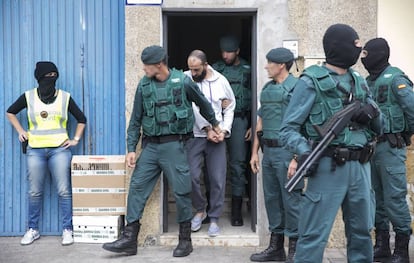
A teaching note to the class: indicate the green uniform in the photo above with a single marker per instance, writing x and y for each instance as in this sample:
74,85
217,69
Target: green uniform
346,185
239,79
163,110
393,92
282,207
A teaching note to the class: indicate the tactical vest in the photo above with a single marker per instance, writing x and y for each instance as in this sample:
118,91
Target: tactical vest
47,122
274,99
381,88
166,109
239,79
329,99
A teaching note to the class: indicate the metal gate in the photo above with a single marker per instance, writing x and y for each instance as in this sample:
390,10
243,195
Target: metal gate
85,39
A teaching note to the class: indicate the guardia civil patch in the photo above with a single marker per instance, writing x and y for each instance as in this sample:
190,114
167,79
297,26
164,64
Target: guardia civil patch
175,80
402,86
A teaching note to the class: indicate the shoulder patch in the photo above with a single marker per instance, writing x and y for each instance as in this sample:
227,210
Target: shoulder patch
402,86
389,75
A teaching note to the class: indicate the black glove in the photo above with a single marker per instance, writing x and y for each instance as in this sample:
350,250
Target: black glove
312,169
365,114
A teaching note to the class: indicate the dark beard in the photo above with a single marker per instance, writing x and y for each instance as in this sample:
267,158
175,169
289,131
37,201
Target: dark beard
231,62
200,77
47,89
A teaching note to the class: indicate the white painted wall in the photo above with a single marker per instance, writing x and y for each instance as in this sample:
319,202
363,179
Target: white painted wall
395,24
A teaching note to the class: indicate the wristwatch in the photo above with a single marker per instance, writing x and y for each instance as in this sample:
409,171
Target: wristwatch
76,138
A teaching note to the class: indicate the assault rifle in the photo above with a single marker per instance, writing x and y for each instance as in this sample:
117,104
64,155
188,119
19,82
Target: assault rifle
330,130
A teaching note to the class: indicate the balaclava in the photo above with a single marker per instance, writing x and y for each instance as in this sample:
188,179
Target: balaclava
339,46
376,60
46,84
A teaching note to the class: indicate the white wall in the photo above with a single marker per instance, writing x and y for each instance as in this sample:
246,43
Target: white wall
395,24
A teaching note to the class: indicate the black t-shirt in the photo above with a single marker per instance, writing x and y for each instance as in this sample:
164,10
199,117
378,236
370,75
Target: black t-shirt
73,108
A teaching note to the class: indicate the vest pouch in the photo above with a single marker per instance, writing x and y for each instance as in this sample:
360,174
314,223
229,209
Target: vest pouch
148,125
180,124
316,117
397,120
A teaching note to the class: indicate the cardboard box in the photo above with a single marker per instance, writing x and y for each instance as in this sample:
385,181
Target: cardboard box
97,229
98,185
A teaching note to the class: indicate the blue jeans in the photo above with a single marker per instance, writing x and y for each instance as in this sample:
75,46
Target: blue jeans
40,163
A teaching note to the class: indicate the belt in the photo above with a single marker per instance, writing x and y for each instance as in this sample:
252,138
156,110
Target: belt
167,138
344,154
271,143
241,114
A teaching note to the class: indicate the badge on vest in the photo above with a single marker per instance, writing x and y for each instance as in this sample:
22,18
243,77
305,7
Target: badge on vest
44,114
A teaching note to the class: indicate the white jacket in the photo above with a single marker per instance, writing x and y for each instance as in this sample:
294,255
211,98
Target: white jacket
215,89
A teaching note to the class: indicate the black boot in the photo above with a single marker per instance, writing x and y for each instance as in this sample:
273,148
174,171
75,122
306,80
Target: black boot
275,251
128,241
292,250
184,247
400,254
236,215
382,251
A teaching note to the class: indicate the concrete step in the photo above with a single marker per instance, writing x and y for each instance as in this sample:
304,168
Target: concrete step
230,236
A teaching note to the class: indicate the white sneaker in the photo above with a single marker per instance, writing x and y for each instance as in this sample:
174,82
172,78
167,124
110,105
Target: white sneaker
30,236
67,237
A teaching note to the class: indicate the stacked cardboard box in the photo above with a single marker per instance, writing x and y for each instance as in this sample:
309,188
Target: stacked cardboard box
99,197
97,229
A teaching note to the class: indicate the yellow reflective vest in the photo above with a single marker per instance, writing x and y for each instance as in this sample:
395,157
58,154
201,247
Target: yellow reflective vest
47,122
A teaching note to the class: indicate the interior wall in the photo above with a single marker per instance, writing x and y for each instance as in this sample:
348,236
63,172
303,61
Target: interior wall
187,32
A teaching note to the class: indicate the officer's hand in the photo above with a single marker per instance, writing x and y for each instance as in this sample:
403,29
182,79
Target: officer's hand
312,169
254,163
130,159
69,143
23,136
248,135
293,165
365,114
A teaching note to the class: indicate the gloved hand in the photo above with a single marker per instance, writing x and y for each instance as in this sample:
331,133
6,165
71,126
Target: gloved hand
312,169
365,114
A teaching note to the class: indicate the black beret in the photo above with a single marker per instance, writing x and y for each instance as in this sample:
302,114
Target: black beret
280,55
153,55
229,43
44,67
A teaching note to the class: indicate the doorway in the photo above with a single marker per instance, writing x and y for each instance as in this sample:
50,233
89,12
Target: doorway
187,29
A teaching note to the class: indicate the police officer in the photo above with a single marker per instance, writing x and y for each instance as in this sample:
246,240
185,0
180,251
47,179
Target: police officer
393,92
237,71
48,150
342,178
282,207
163,109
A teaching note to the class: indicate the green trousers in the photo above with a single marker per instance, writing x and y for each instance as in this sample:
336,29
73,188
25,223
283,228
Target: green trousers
237,148
347,187
170,159
389,182
282,207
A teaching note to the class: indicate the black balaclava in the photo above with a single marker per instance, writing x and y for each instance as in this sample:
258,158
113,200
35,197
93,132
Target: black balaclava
46,84
376,60
339,46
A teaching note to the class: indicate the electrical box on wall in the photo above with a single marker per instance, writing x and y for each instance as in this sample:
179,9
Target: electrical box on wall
313,60
292,45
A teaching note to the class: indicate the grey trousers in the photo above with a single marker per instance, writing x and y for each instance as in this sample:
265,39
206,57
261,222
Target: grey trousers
201,151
